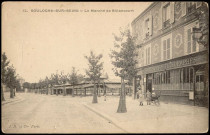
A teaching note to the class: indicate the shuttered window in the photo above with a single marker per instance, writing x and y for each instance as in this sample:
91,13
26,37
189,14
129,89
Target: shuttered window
166,49
191,43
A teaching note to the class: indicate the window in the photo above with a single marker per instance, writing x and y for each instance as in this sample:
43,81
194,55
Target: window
191,6
166,15
147,27
168,77
191,43
166,49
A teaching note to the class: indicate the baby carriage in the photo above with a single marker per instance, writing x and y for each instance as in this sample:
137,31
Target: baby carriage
155,99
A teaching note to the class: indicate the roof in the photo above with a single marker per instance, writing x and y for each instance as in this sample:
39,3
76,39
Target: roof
115,86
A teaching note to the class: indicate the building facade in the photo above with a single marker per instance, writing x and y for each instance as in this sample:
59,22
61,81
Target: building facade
170,61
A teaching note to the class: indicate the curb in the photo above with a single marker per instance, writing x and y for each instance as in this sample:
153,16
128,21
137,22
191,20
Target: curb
13,101
105,117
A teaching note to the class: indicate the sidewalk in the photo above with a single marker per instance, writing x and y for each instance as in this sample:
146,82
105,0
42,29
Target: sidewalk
17,98
166,118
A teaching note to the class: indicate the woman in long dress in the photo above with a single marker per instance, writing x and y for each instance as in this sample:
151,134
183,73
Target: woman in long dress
141,98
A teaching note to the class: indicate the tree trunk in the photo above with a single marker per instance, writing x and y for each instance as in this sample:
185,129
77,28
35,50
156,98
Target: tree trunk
11,93
14,91
99,91
122,103
2,94
47,91
73,92
94,95
64,91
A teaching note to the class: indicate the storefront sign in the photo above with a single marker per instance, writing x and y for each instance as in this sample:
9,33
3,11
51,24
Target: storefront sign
175,64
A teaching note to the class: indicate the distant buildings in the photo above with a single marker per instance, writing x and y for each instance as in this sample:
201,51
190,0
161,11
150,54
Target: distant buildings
170,61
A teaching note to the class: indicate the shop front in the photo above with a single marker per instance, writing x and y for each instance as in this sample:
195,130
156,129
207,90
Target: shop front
181,80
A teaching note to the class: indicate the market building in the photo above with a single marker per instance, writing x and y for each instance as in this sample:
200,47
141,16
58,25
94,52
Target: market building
170,61
108,87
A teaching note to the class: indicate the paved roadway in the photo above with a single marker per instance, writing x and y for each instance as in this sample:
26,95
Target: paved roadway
53,114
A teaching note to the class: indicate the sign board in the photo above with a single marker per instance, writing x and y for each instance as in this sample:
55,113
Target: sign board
191,95
188,61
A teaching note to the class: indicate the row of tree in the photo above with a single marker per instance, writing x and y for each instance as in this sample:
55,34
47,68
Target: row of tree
8,77
123,59
56,79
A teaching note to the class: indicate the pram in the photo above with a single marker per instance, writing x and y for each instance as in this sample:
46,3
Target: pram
155,99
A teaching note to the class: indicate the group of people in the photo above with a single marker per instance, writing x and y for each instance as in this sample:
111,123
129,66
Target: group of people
140,96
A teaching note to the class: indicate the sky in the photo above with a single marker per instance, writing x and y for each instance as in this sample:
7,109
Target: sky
40,43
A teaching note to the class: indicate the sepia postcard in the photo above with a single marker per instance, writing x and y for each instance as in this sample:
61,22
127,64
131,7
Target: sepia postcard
105,67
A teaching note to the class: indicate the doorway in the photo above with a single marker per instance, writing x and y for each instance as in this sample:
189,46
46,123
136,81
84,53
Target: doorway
201,90
149,83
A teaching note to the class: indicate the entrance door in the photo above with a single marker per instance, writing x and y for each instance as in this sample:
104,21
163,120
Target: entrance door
149,83
199,88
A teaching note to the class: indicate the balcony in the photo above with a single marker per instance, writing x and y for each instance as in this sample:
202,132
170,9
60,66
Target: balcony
166,23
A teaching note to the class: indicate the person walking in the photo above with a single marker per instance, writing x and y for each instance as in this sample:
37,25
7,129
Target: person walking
141,98
148,97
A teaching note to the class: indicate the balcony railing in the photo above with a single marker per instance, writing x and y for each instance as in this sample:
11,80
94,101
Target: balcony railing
166,23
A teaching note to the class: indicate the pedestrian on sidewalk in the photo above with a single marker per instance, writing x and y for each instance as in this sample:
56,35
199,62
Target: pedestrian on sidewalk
149,96
141,98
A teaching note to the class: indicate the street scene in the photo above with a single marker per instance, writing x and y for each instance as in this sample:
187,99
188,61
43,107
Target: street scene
79,67
52,114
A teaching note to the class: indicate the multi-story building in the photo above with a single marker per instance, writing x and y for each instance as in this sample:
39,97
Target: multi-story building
170,61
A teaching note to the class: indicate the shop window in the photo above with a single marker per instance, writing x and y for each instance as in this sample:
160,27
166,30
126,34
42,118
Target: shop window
154,78
186,75
168,77
181,75
191,75
157,76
